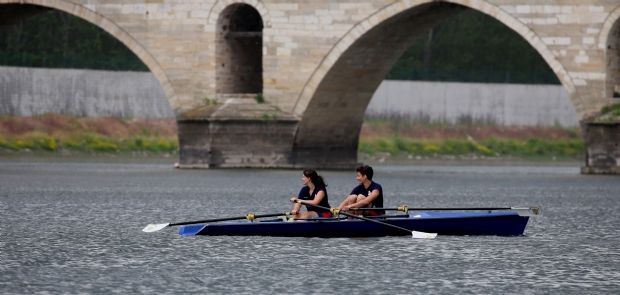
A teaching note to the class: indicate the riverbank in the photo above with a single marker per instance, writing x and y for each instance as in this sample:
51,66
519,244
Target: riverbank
397,139
60,134
381,140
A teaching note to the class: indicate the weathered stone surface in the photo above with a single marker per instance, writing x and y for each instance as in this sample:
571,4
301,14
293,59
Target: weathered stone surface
237,133
602,147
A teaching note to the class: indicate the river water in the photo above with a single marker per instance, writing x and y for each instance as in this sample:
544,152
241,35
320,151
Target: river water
75,227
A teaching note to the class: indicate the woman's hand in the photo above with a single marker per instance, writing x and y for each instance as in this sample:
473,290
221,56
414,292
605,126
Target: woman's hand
294,200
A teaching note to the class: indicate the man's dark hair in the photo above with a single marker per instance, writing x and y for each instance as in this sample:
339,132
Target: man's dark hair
365,170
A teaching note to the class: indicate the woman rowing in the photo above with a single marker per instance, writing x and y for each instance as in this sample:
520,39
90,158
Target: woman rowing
368,194
314,192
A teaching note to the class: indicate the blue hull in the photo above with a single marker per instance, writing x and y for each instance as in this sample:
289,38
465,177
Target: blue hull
443,223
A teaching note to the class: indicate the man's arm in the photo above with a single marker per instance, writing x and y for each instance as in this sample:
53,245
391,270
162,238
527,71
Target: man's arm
364,202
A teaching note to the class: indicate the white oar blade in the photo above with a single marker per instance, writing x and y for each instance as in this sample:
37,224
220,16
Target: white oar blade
422,235
527,211
154,227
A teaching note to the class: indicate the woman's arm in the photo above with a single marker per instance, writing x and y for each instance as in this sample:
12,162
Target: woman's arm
296,205
317,198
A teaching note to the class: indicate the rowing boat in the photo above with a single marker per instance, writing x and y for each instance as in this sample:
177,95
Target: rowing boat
489,222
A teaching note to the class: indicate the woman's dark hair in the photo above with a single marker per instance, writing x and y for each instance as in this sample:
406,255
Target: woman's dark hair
365,170
316,179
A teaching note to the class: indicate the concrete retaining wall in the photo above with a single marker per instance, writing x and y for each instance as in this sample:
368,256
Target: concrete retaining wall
504,104
32,91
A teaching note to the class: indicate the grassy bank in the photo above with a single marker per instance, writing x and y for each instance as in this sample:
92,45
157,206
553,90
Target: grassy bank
398,138
55,133
394,137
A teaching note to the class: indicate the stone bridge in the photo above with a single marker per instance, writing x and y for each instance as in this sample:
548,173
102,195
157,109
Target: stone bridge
285,83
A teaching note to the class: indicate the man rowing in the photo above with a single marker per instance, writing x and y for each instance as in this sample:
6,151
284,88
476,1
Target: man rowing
368,194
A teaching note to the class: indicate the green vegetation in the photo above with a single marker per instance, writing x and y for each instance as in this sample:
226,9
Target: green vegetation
88,143
403,138
492,147
54,133
55,39
472,47
612,110
608,114
259,98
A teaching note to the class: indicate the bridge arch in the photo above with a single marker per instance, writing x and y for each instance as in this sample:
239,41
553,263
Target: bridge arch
389,11
333,101
113,29
609,41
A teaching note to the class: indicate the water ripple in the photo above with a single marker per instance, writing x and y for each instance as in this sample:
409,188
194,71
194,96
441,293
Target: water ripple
76,228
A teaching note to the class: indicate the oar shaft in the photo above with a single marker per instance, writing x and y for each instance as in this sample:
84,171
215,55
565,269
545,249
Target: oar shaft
437,209
362,218
522,211
375,221
226,219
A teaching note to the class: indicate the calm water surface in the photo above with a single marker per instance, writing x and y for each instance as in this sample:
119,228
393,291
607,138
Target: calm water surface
76,228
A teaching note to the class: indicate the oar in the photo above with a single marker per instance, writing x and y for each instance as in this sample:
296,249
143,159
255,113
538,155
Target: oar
522,211
335,211
250,216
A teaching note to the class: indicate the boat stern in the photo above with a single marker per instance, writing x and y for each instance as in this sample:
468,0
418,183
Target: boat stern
190,230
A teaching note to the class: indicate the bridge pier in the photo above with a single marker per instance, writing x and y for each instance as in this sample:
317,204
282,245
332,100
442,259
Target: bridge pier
242,133
602,140
237,133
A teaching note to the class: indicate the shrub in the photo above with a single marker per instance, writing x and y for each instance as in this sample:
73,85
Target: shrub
39,141
102,146
7,144
456,147
490,147
430,149
613,109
